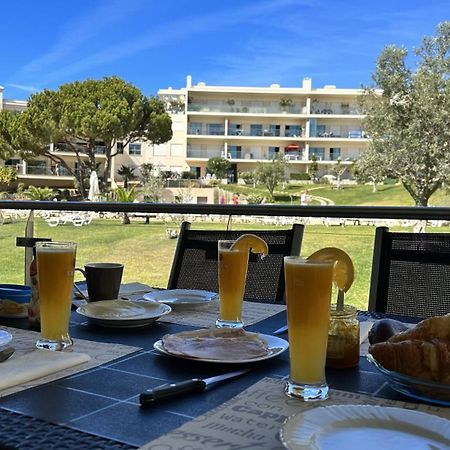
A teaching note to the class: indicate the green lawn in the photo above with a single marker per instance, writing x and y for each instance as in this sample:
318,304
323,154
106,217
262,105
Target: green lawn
358,195
147,253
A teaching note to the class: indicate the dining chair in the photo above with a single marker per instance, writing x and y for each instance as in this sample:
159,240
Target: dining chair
410,273
195,262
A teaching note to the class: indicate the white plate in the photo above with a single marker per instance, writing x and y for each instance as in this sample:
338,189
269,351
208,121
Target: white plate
181,297
275,344
123,313
365,427
5,337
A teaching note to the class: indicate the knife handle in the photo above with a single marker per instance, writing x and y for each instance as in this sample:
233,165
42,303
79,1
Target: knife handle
171,390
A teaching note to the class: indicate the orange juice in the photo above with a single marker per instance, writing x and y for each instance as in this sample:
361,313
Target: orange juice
55,265
232,275
308,294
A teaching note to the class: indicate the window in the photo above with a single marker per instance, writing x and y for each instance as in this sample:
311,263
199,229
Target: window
274,130
120,147
234,129
273,151
195,128
134,149
234,151
216,129
318,151
335,153
160,150
293,130
256,130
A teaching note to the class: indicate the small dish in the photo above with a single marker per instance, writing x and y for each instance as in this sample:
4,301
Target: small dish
275,344
427,391
181,297
14,300
123,313
5,337
364,426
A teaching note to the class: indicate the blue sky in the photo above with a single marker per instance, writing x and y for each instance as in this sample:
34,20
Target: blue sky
155,44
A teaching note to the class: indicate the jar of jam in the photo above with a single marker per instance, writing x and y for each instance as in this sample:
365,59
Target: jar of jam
343,338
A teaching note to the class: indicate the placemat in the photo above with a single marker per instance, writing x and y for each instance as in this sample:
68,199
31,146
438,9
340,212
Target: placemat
252,419
205,316
24,342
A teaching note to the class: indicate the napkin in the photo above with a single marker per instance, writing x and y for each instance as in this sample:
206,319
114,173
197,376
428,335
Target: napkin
364,328
37,364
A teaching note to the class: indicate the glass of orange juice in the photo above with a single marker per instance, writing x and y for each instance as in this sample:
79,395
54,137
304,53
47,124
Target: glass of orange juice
233,264
55,268
308,296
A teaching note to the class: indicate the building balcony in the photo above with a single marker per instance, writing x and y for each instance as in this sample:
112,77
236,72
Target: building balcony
245,108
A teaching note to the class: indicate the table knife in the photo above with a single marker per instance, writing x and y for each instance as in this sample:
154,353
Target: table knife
280,330
166,391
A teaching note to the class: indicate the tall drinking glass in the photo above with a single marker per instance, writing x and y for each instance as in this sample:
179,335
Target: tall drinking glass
233,266
308,296
55,267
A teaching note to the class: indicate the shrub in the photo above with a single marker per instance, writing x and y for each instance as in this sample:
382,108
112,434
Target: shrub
301,176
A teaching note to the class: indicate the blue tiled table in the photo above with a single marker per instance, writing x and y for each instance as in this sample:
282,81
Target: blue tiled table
99,408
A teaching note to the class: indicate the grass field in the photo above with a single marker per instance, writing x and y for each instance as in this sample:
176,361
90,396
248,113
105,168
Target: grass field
147,253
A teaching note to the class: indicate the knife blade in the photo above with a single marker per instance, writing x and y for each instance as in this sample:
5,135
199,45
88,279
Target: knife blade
166,391
280,330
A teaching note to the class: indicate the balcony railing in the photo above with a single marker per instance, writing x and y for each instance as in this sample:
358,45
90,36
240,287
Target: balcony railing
349,212
40,170
246,109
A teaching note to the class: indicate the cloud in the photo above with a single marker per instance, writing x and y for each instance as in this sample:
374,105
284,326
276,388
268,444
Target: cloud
172,31
23,87
81,31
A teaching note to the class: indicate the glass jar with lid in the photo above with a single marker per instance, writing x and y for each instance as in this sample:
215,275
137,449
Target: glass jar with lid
343,338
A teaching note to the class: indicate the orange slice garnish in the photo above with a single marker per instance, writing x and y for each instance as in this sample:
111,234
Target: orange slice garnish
251,242
344,272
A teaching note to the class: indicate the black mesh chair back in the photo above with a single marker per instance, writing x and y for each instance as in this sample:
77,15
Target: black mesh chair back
195,262
410,273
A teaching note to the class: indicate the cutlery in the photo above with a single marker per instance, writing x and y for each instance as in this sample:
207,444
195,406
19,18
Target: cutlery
166,391
6,353
280,330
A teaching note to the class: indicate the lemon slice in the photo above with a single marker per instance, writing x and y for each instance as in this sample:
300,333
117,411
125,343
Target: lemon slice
251,242
344,273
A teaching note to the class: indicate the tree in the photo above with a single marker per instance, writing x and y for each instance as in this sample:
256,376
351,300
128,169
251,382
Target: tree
313,167
39,193
8,175
338,170
271,174
218,166
127,173
152,188
124,195
146,172
369,169
80,116
409,120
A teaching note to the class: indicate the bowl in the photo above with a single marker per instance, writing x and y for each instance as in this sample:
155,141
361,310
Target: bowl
14,300
425,390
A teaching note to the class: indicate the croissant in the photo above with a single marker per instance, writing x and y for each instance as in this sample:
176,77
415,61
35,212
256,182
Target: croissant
434,328
426,360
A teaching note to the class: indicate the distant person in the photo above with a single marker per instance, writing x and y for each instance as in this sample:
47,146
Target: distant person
58,169
305,198
235,199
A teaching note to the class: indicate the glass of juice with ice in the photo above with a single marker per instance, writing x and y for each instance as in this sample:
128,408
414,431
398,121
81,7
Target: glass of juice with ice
55,268
308,296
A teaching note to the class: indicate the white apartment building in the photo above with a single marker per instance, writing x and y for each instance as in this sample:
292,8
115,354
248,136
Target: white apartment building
250,125
247,125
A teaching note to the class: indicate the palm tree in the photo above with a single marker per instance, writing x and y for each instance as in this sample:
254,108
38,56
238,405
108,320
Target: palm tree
125,196
39,193
127,173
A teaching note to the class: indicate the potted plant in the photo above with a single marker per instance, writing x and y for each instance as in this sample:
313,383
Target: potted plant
286,104
230,103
